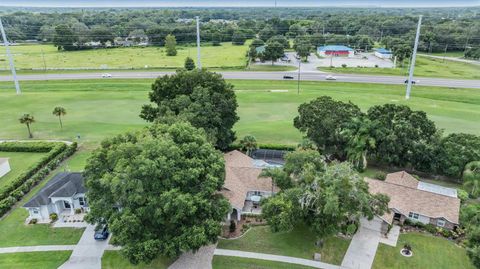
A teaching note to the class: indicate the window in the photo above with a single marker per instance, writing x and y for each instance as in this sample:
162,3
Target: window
35,211
81,201
413,215
440,223
66,204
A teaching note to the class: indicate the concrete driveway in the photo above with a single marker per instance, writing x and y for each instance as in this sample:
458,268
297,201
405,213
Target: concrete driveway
362,249
87,253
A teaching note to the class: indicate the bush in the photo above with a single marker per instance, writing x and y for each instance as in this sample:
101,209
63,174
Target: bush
344,65
380,175
53,217
33,221
351,229
431,228
445,233
232,227
78,210
462,195
376,66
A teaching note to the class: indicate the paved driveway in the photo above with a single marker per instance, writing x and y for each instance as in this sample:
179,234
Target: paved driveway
87,253
202,259
362,249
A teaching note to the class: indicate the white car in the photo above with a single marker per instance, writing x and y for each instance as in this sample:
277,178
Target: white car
330,77
106,75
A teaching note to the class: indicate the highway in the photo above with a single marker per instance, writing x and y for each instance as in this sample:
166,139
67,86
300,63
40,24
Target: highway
307,76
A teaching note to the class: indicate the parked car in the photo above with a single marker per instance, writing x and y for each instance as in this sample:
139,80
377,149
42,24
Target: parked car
101,233
106,75
287,77
330,77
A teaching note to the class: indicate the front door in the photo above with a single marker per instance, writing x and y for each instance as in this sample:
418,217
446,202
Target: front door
66,204
397,216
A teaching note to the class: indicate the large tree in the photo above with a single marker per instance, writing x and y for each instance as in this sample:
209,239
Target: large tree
273,51
471,178
455,151
65,38
403,136
59,112
321,121
359,134
157,189
326,197
170,45
203,98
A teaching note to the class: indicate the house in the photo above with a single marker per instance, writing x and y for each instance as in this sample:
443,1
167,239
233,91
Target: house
335,50
62,195
383,53
4,166
243,188
417,201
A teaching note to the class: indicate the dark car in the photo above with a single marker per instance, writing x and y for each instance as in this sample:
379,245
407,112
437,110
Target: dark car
287,77
101,233
413,81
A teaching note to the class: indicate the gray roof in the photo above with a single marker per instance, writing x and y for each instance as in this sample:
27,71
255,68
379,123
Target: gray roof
64,184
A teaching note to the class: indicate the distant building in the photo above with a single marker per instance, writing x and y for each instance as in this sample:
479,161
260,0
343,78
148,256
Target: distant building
383,53
4,166
335,50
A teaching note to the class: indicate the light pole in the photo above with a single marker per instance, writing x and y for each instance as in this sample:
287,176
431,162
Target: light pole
298,79
414,55
10,58
199,60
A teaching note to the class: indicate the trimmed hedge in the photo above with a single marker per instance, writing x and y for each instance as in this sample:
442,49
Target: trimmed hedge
26,181
28,146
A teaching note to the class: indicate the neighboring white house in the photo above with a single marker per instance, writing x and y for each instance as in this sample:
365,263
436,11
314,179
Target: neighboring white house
383,53
243,188
4,166
62,195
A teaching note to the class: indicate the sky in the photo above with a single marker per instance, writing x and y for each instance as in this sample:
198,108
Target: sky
239,3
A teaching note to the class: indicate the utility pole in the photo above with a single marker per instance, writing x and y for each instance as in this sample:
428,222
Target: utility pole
412,63
199,60
298,80
10,58
445,54
44,63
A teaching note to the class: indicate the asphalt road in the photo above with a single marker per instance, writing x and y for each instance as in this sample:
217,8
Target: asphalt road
310,76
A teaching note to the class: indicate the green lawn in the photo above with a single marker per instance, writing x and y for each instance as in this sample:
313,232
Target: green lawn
258,67
223,262
30,56
424,67
428,253
298,243
113,260
101,108
34,260
19,163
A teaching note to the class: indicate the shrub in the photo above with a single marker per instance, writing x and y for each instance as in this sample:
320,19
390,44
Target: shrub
33,221
344,65
232,227
53,217
408,222
78,210
430,228
462,195
351,229
446,233
380,175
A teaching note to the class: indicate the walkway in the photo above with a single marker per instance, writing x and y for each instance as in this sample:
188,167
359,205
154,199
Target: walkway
87,253
277,258
36,248
200,259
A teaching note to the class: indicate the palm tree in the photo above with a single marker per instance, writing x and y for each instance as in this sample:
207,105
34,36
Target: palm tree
59,112
471,178
249,144
27,119
358,134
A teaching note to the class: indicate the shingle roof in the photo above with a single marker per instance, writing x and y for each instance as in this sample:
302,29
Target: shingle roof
61,185
402,178
405,198
241,176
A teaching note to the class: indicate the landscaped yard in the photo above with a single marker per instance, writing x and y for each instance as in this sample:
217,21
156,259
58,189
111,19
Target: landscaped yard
424,67
19,163
101,108
222,262
30,56
428,253
34,260
298,243
113,260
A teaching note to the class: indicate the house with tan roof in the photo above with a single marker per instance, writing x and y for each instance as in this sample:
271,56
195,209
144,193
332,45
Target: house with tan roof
418,201
243,187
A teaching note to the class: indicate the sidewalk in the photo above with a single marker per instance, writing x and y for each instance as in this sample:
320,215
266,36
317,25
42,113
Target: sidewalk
36,248
277,258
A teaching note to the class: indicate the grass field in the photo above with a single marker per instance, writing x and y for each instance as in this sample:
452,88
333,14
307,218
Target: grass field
424,67
298,243
428,253
30,56
19,162
36,260
222,262
113,260
100,108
